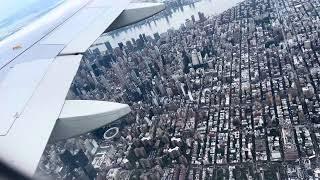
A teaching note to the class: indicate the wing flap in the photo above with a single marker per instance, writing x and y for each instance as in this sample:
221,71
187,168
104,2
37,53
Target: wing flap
17,88
23,145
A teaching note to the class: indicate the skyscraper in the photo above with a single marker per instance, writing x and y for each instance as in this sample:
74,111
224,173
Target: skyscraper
194,57
108,46
200,57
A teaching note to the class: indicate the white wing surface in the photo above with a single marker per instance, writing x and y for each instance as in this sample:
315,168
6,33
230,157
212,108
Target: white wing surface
37,67
33,114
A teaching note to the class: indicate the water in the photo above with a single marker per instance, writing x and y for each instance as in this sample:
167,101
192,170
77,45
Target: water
178,17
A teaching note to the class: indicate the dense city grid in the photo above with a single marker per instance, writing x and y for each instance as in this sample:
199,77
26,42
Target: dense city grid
235,96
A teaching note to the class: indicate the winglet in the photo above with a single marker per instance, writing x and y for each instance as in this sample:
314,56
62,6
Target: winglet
135,13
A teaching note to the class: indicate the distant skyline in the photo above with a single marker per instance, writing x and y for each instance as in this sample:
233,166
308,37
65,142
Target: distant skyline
15,14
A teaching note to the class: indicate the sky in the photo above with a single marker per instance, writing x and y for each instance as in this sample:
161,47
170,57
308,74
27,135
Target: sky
10,7
15,14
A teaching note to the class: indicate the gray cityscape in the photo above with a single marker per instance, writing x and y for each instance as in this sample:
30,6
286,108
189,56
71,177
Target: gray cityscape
228,96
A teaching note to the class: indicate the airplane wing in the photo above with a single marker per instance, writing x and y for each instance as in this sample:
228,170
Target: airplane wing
37,67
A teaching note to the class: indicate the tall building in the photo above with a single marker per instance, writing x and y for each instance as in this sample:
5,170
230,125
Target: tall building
129,45
91,146
140,43
120,44
188,23
194,57
90,171
133,41
200,57
96,52
156,36
67,159
144,37
108,46
141,37
81,159
140,152
193,19
201,16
